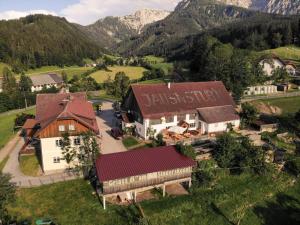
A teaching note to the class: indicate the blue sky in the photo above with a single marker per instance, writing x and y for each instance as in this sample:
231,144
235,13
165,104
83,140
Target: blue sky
79,11
25,5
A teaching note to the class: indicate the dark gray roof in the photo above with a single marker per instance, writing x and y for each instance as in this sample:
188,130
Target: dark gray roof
44,79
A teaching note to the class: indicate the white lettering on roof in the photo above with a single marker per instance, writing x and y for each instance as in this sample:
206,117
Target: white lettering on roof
188,97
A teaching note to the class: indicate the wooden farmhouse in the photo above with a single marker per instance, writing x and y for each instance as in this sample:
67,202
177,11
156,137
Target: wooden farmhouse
57,114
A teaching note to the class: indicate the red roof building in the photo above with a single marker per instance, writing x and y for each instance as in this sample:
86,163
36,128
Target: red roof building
57,114
205,106
138,162
128,173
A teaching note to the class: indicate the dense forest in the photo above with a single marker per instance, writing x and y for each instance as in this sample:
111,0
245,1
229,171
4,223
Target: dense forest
40,40
165,36
226,53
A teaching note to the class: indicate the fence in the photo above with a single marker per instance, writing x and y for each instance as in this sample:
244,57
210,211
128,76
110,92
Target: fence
281,95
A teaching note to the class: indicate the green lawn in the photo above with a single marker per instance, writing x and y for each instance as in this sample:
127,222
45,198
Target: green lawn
233,198
70,71
154,81
29,165
159,63
7,124
288,105
129,142
287,53
3,162
2,65
134,72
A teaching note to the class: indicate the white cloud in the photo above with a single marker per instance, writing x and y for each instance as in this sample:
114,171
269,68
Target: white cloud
88,11
12,14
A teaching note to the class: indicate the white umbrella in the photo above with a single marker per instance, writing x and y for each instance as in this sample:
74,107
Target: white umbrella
177,129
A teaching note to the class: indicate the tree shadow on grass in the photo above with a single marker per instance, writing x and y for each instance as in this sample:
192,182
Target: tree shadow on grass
284,211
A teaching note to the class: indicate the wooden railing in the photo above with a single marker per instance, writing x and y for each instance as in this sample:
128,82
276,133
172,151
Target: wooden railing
141,184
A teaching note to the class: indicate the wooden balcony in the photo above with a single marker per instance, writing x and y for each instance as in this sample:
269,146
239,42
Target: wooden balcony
142,184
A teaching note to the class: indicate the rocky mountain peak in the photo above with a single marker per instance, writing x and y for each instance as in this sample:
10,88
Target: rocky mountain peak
285,7
143,17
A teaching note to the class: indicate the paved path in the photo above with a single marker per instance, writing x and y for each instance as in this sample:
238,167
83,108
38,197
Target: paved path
8,148
106,121
12,167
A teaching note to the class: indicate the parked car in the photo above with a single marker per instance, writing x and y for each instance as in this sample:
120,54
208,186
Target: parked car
118,114
44,222
116,133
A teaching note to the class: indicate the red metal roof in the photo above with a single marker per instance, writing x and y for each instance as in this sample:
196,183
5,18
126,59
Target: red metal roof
157,100
138,162
218,114
29,124
50,107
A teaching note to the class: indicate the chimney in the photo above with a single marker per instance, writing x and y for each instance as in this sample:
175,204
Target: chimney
169,85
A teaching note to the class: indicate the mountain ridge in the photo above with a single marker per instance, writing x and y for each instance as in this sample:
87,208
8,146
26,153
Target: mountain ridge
112,30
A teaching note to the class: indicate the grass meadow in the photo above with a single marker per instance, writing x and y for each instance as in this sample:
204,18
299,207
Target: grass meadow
133,72
7,124
233,199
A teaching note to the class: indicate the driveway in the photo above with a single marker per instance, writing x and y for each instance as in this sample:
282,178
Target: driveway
21,180
106,121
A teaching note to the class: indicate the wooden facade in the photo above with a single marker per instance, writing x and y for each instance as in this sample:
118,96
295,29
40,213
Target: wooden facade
52,130
145,180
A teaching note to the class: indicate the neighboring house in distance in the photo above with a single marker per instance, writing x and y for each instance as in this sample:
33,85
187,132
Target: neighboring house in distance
125,174
206,107
46,81
270,63
261,90
56,114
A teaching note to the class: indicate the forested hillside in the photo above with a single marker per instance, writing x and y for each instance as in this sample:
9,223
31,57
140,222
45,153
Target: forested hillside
189,18
40,40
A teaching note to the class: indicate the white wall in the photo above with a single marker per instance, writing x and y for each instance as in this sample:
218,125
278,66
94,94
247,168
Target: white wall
270,64
49,150
260,90
164,125
220,127
39,88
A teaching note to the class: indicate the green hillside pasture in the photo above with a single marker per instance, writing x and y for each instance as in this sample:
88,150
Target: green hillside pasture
7,123
291,53
159,63
234,199
71,71
288,105
133,72
2,65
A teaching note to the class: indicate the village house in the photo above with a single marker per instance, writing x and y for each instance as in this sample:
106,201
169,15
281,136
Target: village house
126,174
45,81
269,64
273,62
55,115
201,107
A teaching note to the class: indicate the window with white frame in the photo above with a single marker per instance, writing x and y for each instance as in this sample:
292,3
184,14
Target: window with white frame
56,159
71,127
216,124
169,119
58,143
192,125
77,141
61,128
181,117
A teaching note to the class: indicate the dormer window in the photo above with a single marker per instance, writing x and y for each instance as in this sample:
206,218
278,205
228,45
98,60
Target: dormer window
71,127
61,128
